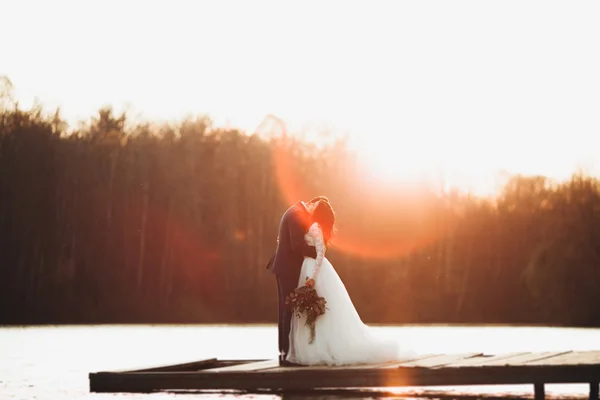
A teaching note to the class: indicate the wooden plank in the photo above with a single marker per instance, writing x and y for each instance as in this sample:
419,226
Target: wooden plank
438,360
392,364
427,370
188,366
524,359
397,364
309,378
579,357
326,368
483,359
250,366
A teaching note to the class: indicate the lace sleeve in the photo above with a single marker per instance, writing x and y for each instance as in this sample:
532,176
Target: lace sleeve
316,232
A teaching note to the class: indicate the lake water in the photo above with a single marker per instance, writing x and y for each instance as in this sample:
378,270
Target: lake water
52,362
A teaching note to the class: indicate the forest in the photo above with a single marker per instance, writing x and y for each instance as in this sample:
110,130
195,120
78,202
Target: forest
119,222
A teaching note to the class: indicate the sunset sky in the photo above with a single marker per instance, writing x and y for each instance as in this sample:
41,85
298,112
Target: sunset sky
465,87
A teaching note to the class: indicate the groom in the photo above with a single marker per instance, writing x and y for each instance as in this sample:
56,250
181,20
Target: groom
287,262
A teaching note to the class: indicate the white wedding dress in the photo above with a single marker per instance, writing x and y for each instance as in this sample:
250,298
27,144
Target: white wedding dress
341,338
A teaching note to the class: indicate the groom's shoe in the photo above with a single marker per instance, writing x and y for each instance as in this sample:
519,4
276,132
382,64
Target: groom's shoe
286,363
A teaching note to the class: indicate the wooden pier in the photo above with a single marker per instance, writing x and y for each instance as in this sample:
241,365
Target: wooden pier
536,369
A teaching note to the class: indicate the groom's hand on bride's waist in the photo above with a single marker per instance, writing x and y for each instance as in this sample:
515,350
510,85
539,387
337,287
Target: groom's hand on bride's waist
305,249
308,251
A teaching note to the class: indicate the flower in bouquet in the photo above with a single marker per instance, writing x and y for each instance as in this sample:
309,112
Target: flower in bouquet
306,300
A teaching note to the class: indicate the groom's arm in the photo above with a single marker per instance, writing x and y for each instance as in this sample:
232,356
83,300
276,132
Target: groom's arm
297,233
307,250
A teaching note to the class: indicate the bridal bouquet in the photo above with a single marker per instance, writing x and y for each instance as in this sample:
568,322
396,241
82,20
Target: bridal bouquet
306,299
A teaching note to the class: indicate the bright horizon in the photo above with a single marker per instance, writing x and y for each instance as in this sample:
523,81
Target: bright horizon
466,88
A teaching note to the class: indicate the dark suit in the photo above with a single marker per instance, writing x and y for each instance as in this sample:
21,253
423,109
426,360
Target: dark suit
287,263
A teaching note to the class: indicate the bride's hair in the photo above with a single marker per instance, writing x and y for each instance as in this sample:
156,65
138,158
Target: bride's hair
325,217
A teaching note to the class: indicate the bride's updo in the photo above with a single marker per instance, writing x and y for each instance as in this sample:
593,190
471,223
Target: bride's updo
325,217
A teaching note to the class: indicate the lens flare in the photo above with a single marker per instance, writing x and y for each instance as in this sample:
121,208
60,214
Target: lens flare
351,237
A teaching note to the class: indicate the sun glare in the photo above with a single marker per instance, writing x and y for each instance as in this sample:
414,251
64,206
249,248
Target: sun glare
389,164
442,166
481,171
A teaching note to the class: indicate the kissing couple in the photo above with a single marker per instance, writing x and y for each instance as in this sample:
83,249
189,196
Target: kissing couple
341,338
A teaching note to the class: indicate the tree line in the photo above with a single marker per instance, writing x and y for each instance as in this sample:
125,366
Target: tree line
114,222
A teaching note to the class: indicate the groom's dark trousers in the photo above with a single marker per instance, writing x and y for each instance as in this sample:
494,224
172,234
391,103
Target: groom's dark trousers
285,285
287,263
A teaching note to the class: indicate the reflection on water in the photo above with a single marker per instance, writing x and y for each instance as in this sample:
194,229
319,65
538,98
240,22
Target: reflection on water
52,362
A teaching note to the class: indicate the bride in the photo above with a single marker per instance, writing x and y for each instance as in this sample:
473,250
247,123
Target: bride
341,337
